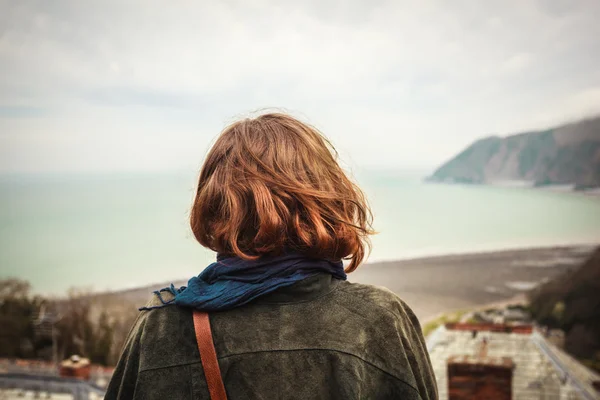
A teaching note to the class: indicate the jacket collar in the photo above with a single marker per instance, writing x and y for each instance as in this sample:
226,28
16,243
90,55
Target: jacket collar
306,290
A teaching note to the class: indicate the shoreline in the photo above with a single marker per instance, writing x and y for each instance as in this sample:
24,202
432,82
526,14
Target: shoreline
583,247
437,285
568,189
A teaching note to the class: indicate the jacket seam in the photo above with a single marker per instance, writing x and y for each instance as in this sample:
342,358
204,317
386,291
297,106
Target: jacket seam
182,364
326,349
377,304
191,381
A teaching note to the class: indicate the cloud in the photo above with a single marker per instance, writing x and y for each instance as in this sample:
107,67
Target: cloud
21,112
518,62
394,84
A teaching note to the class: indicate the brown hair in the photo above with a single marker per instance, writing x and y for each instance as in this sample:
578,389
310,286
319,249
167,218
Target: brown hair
271,184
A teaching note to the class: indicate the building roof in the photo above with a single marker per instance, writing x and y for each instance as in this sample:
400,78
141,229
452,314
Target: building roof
541,370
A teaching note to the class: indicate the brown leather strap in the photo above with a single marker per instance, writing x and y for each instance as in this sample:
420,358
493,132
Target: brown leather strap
208,356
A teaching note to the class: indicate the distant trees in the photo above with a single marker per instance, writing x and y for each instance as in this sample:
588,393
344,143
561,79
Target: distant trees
93,326
17,311
101,349
572,303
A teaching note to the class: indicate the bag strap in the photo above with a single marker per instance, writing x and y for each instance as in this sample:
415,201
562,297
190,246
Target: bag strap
208,356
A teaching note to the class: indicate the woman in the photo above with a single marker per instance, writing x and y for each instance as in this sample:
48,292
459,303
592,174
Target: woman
281,214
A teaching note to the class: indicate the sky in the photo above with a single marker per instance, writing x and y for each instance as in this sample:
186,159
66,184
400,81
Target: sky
144,85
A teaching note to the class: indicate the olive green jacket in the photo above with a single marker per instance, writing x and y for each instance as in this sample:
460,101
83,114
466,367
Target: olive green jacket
320,338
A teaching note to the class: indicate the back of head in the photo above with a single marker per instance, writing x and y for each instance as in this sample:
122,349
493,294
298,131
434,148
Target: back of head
273,184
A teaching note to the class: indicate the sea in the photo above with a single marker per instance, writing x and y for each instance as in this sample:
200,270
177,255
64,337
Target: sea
115,230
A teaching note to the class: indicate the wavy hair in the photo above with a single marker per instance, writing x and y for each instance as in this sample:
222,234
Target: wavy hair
272,184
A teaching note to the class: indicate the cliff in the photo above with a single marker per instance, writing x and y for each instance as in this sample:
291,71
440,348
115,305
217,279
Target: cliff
571,302
568,154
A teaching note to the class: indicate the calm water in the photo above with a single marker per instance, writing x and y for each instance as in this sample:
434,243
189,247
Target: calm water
118,231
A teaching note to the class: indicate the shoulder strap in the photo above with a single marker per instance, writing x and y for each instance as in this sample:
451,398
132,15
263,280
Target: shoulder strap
208,356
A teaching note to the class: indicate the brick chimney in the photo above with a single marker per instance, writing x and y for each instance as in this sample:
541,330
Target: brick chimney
480,377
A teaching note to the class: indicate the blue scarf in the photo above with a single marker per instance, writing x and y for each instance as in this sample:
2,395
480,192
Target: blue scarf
231,281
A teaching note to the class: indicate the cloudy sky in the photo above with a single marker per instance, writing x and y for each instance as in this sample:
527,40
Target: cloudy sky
147,85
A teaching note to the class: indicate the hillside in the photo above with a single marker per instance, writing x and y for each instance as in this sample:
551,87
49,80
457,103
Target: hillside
568,154
571,302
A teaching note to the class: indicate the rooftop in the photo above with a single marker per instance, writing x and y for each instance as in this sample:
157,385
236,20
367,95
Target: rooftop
540,370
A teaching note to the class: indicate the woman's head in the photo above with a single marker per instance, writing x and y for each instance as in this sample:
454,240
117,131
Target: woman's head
272,184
